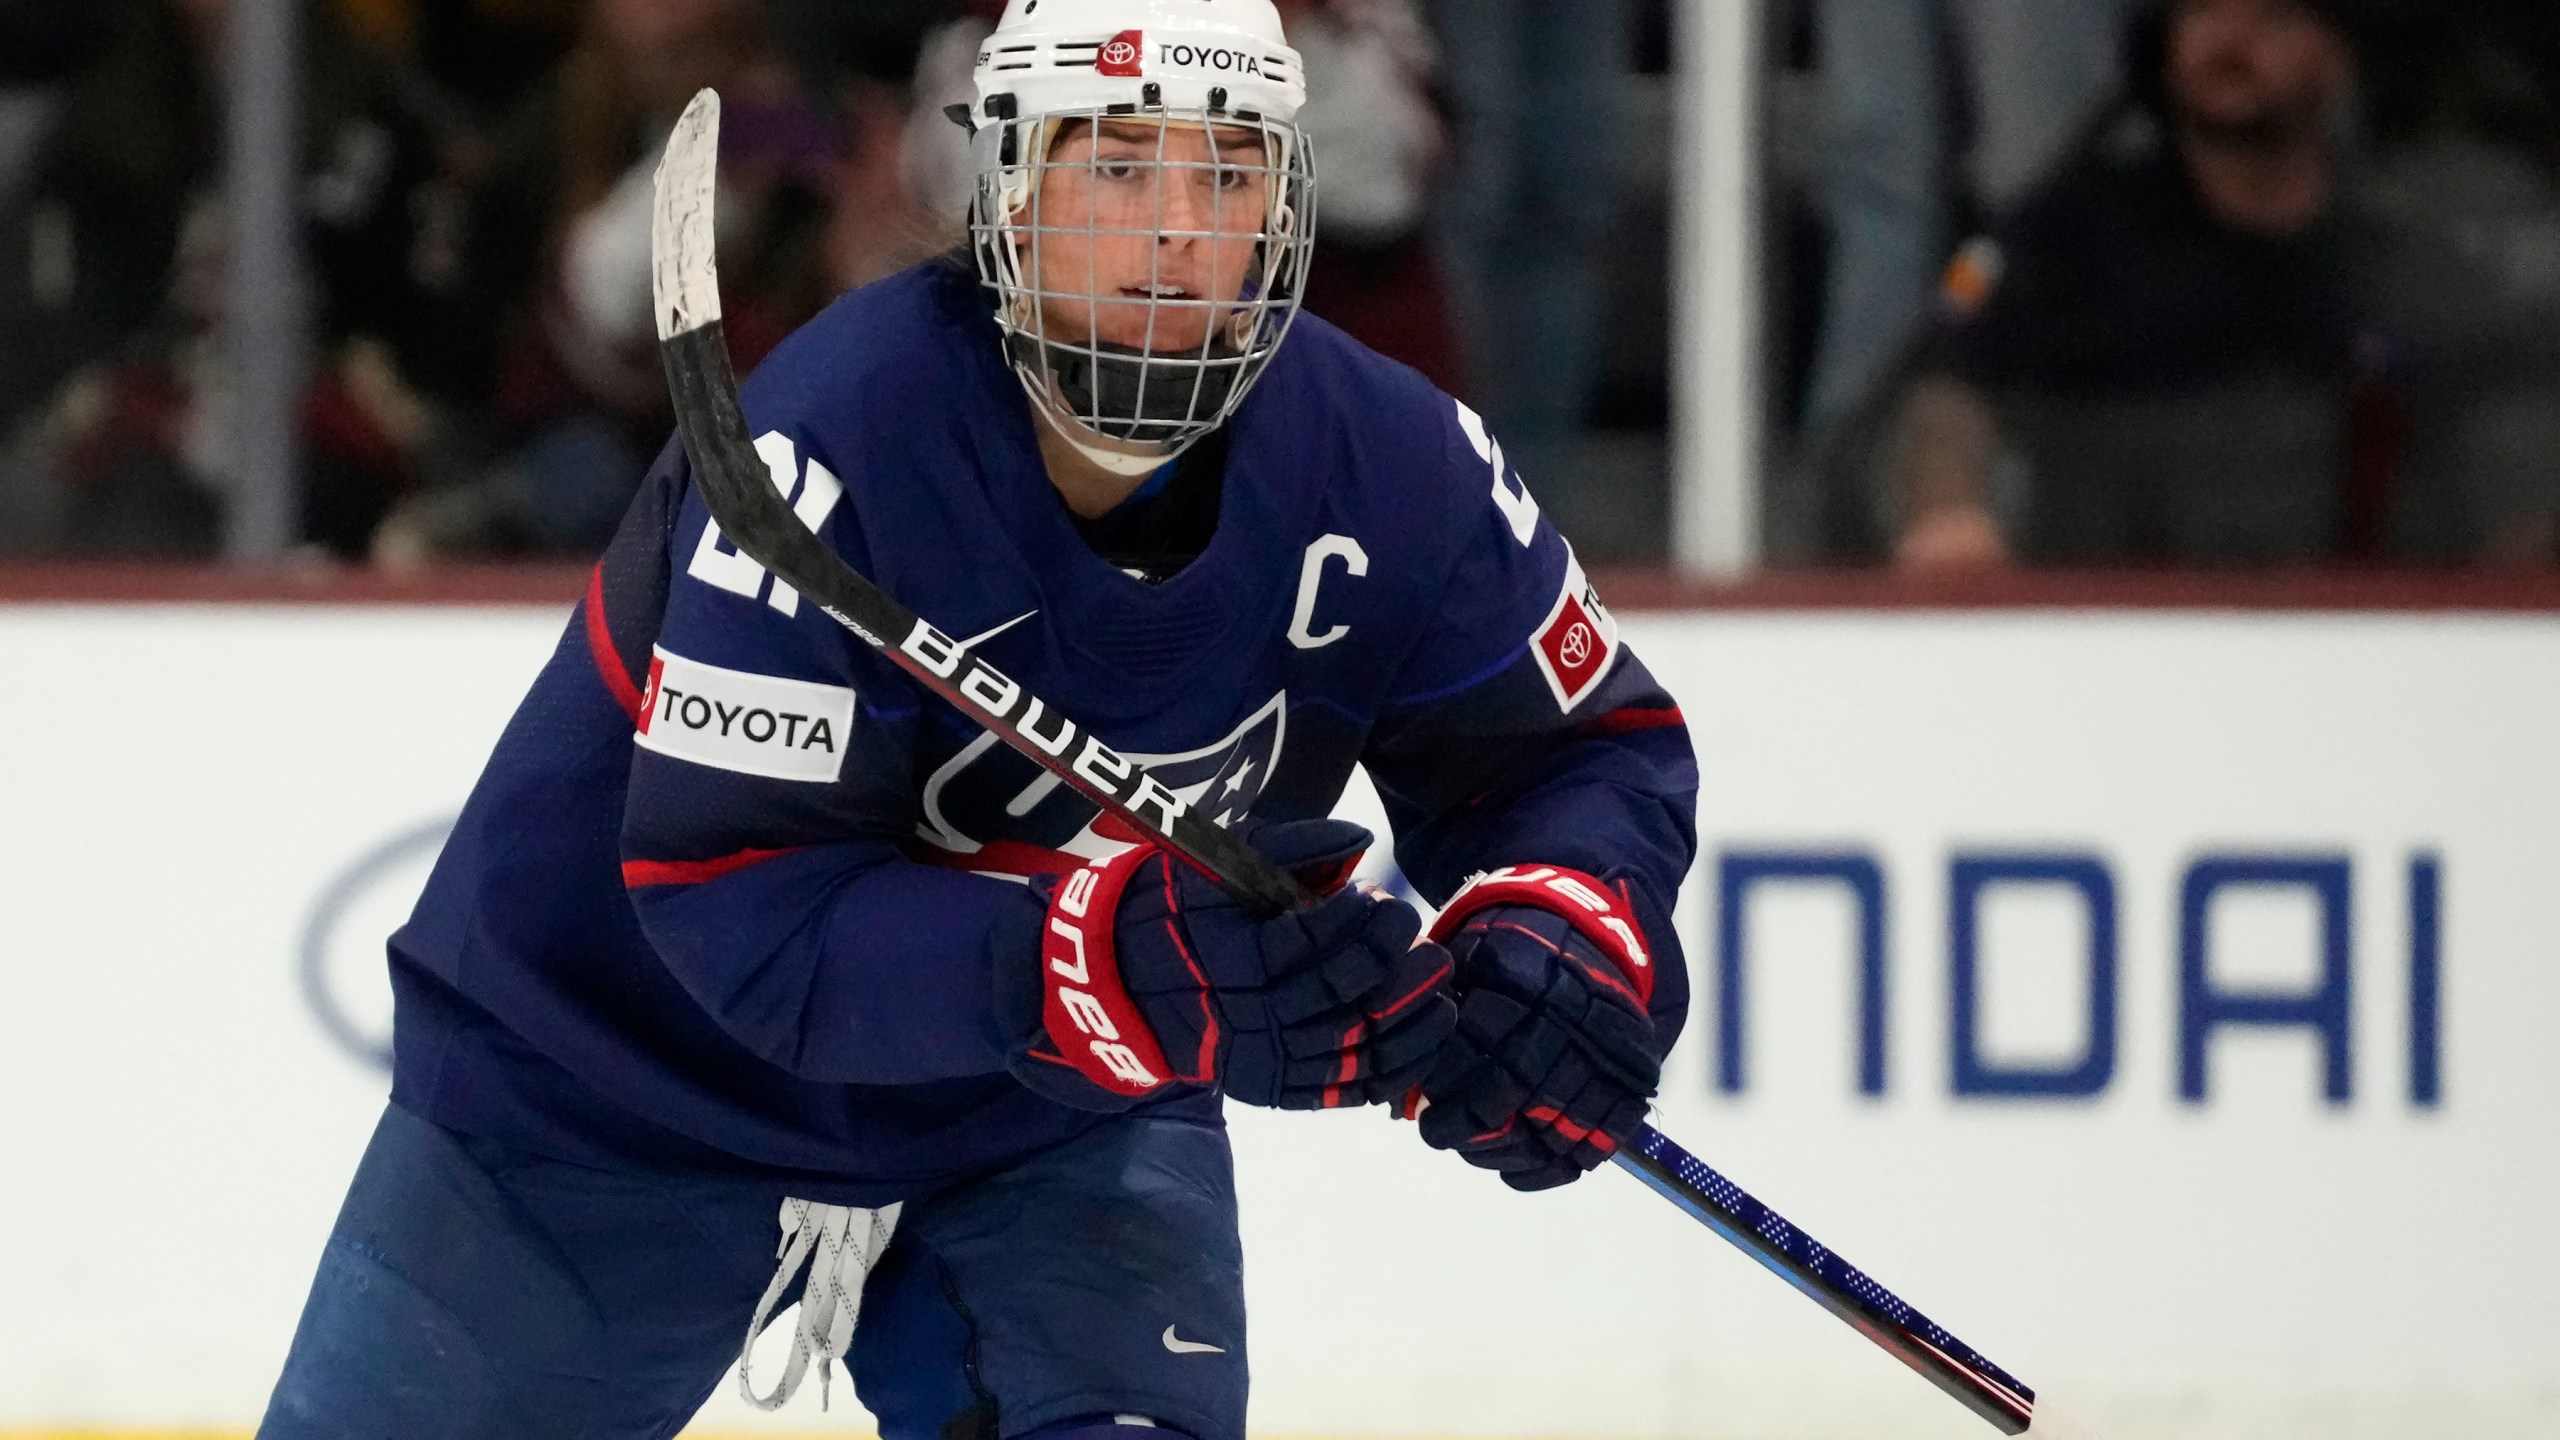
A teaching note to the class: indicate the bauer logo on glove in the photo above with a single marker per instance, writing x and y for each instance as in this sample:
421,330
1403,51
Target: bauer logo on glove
1076,1011
1150,977
1555,1053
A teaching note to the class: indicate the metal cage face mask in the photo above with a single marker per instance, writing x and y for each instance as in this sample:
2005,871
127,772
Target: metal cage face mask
1148,263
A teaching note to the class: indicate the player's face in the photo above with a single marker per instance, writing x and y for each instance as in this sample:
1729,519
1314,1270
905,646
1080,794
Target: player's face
1144,235
2262,66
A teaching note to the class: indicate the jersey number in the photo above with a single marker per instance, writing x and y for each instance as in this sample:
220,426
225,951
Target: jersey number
716,563
1511,497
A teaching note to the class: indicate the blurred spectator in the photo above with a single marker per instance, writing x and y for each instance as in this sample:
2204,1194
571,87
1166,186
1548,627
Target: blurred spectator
111,391
2199,342
1932,112
91,203
861,62
835,45
468,61
1379,142
579,407
1539,89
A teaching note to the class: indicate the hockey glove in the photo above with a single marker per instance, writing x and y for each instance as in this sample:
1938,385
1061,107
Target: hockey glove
1554,1055
1140,975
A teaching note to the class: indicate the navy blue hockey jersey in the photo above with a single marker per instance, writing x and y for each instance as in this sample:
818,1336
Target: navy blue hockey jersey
720,899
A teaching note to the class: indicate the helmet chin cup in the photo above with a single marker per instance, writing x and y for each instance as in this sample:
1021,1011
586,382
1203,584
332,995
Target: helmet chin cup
1127,395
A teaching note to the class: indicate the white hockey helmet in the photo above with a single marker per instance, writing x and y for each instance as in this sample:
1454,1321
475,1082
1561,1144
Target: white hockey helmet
1180,99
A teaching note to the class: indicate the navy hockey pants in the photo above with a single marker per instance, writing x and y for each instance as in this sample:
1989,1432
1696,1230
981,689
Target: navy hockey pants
473,1292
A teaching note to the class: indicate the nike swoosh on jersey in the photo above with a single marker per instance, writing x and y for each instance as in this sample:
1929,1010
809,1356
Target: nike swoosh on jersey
974,641
1180,1346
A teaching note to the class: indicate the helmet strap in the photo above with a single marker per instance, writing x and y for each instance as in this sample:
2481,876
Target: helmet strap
1120,457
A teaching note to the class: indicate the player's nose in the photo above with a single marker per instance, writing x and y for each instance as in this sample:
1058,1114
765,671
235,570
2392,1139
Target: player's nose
1190,203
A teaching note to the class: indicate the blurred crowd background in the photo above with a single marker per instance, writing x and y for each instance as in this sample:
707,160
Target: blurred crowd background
2210,282
2050,282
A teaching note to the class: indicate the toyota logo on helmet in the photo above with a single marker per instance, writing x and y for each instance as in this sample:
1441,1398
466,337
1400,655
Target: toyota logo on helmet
1123,54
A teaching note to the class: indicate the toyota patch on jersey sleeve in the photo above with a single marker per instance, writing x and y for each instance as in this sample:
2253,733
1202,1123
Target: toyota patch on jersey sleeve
1579,640
752,724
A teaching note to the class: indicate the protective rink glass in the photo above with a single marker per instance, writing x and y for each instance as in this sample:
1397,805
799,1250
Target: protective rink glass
1148,262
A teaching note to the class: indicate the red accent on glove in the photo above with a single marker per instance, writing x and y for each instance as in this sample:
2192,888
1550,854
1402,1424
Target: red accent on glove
1091,1020
1326,881
1350,1065
1606,918
1554,1119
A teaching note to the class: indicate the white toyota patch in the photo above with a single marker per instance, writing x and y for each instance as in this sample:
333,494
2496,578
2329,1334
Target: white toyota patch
752,724
1578,641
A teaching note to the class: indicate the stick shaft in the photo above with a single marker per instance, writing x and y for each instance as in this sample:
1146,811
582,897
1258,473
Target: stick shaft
1829,1280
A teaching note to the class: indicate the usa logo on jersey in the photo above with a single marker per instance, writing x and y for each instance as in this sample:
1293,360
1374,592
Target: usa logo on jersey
990,810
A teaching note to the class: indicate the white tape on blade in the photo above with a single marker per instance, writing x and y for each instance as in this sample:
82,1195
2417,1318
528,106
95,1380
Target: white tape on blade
684,259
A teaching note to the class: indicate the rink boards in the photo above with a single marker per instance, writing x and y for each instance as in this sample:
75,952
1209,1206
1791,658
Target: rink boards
1984,903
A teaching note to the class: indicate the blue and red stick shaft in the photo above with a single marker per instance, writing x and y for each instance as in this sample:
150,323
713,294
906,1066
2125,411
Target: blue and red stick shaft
1830,1281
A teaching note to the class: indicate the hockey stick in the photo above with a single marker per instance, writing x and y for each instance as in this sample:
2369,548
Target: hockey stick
755,514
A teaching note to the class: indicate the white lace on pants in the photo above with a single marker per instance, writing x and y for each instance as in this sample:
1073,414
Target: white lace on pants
839,1245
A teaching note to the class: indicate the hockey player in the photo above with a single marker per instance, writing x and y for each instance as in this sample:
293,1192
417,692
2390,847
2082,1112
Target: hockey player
739,920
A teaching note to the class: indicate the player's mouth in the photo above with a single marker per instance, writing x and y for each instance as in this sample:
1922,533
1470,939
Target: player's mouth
1155,292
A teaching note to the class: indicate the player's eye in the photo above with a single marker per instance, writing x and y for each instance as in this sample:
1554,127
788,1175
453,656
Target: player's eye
1232,177
1118,169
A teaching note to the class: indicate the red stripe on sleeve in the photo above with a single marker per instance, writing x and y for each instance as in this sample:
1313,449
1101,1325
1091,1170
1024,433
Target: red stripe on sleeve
1621,722
1004,857
637,873
617,677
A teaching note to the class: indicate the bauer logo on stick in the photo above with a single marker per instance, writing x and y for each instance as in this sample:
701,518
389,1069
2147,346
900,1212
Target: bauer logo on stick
1123,55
